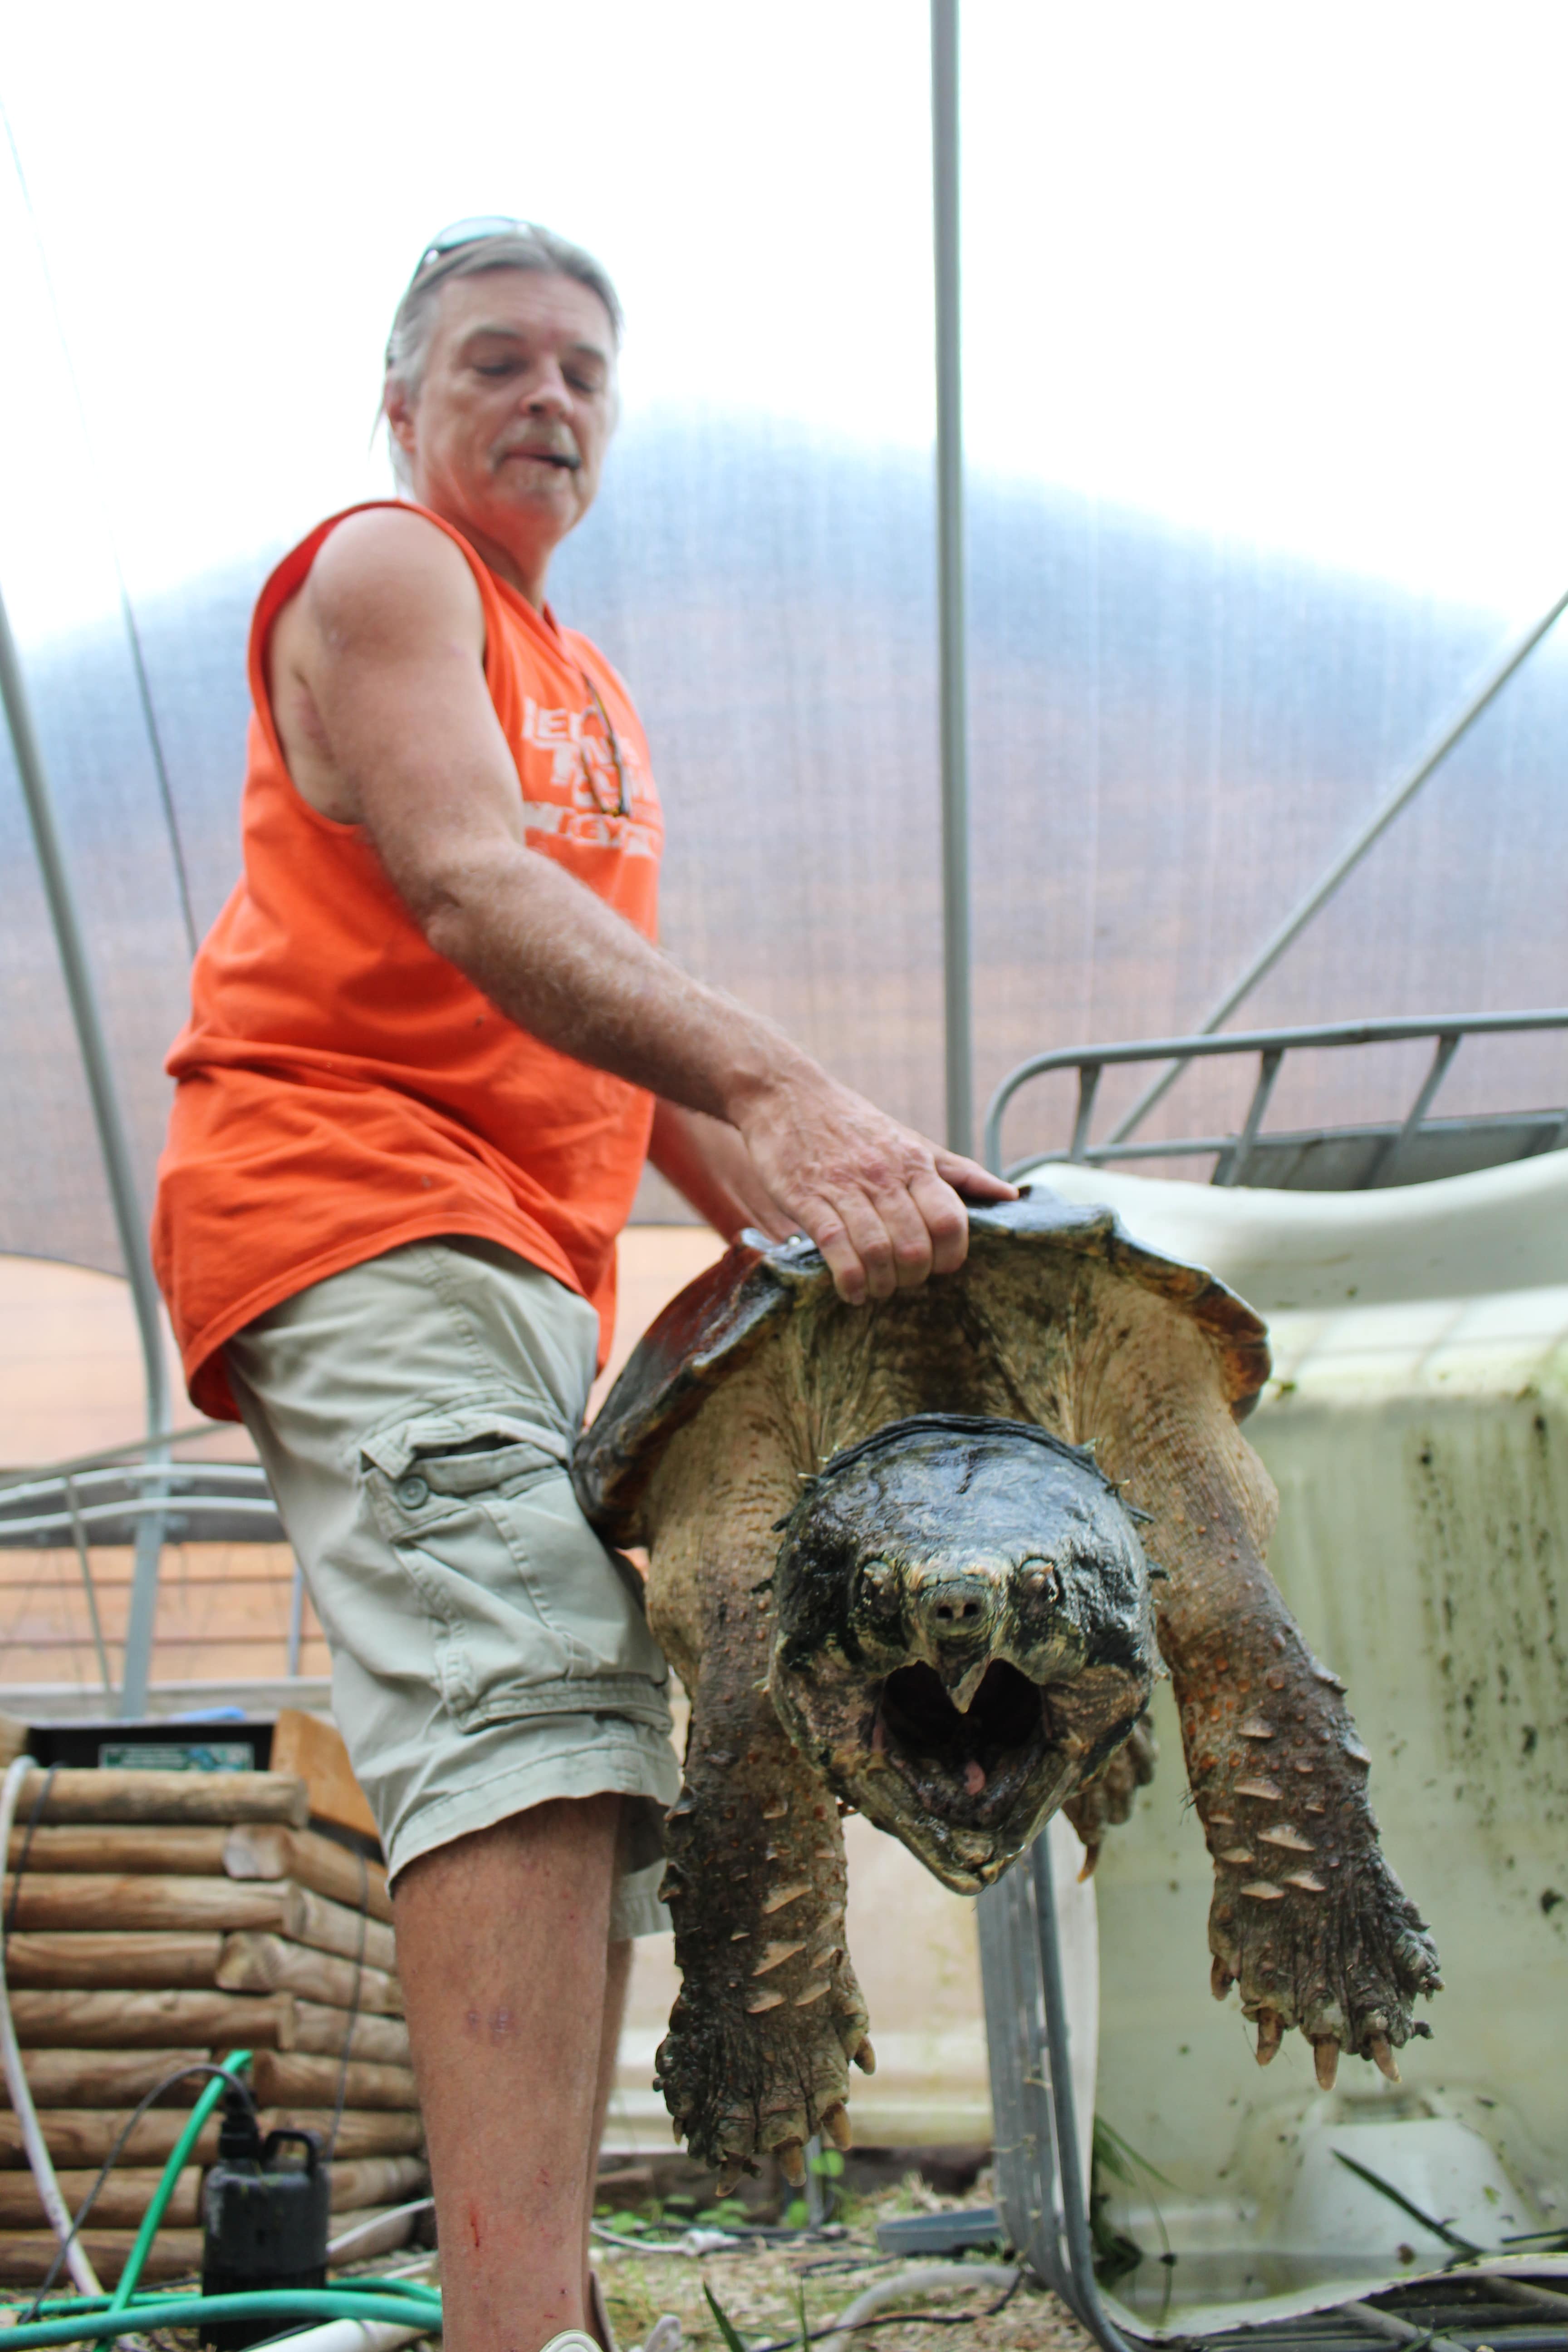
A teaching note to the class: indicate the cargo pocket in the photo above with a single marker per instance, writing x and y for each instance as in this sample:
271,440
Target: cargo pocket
530,1613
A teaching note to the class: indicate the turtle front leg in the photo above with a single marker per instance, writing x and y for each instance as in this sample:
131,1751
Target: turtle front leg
1307,1919
769,2014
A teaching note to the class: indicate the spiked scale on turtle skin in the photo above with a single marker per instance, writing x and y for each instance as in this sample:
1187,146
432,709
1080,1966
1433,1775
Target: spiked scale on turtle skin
897,1559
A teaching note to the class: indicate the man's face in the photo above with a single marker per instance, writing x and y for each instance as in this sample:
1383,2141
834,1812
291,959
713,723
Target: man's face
517,407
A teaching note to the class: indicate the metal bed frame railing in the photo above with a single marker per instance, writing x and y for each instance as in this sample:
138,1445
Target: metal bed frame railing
1545,1130
1040,2188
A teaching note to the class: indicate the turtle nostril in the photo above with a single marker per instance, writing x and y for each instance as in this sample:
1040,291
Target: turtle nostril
966,1608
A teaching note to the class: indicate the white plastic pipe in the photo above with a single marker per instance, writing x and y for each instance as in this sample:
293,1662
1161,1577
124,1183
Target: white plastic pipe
925,2278
365,2335
54,2204
357,2335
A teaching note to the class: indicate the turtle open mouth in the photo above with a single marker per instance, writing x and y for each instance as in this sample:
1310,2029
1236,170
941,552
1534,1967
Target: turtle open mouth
968,1766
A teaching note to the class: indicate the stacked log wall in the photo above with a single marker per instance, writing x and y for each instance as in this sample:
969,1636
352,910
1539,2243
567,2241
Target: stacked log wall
159,1921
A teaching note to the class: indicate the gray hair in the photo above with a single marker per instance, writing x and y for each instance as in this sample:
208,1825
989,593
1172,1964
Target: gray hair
524,247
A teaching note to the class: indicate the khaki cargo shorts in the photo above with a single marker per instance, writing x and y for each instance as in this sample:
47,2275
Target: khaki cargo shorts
415,1415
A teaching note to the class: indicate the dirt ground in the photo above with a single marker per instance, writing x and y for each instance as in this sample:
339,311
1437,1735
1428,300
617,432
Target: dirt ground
759,2284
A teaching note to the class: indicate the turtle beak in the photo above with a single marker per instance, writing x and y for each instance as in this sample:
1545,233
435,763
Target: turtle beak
960,1682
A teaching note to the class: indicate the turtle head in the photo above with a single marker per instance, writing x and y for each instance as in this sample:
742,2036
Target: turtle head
963,1633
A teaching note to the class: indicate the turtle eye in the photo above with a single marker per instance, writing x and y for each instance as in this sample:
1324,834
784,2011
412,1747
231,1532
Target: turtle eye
1039,1579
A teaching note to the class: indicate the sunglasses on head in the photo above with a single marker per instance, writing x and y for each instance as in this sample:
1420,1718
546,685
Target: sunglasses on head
471,232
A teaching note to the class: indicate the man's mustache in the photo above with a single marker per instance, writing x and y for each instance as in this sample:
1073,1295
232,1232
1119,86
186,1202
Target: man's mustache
558,452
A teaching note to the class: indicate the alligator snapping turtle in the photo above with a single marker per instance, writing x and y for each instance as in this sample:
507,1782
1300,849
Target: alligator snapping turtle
897,1557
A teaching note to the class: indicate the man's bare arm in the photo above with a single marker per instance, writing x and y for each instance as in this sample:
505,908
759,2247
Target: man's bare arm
389,654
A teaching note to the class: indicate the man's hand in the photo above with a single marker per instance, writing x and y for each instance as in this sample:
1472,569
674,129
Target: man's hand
882,1204
885,1207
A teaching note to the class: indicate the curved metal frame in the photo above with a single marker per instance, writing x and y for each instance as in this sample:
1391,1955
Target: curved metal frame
113,1141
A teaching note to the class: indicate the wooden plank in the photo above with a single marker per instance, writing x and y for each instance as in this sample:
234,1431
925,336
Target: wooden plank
68,1901
107,2078
284,2078
313,1748
386,2131
79,2136
120,2204
93,1846
322,2032
27,2255
332,1927
267,1963
378,2181
262,1850
190,1797
85,2135
155,2021
97,1956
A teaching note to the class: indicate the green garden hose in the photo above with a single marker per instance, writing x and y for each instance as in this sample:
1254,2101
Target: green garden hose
286,2305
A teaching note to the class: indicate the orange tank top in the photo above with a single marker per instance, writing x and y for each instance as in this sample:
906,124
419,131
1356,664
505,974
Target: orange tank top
342,1088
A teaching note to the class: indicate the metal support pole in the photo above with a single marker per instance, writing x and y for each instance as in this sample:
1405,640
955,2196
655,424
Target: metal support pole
1426,762
958,1018
296,1620
1082,2287
112,1139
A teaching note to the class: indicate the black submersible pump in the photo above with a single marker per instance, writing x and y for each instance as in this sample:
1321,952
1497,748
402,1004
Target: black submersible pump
264,2222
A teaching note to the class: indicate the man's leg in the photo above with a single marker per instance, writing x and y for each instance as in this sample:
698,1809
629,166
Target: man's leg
617,1976
503,1950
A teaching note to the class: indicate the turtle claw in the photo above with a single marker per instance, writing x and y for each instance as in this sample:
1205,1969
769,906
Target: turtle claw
1382,2056
742,2084
1271,2034
866,2057
835,2123
1326,2060
791,2155
1221,1978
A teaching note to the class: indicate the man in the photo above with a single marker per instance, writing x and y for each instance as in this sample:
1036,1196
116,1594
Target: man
431,1044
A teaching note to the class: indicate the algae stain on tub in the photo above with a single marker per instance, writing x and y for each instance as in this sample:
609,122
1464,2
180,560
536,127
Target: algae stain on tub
1488,1488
